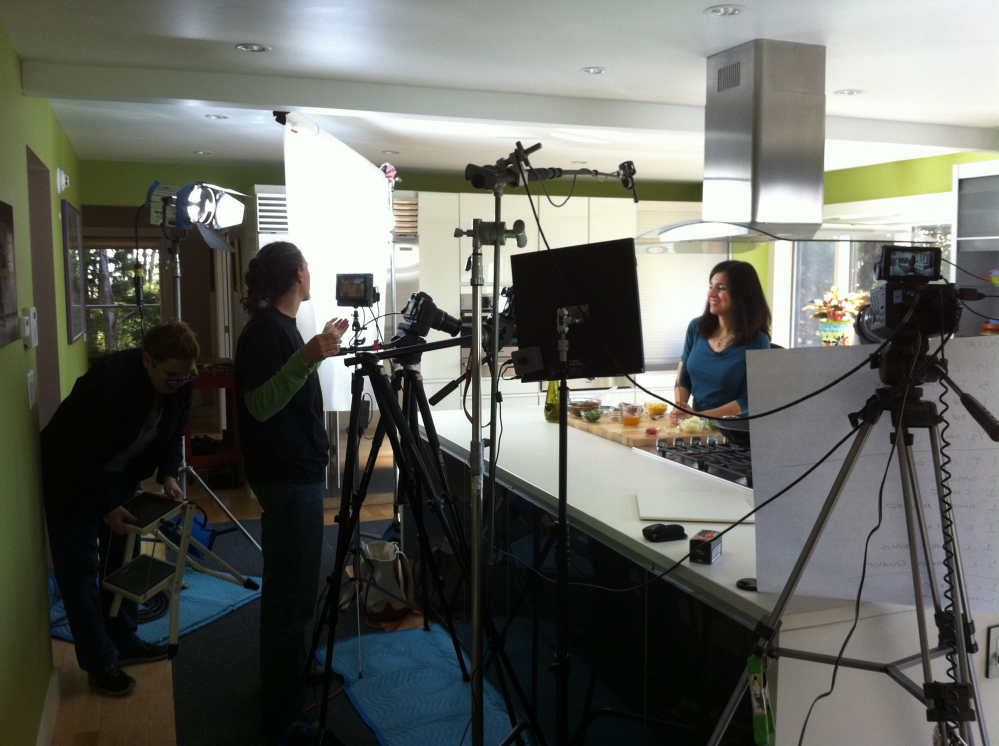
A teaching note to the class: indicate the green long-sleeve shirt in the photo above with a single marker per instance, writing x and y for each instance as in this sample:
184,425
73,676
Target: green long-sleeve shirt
270,397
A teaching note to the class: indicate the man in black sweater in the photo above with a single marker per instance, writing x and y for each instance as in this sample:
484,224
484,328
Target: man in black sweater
124,419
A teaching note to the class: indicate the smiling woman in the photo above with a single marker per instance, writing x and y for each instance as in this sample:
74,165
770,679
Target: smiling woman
736,318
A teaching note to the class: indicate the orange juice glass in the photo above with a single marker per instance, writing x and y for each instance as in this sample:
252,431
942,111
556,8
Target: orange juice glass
631,415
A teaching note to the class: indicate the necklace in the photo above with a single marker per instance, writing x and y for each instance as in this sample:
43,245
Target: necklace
719,343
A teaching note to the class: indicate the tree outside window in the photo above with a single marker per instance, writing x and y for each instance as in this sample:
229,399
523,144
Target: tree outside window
114,321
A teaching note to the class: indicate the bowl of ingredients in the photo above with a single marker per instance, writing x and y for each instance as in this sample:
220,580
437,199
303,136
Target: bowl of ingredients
693,425
577,408
592,415
656,409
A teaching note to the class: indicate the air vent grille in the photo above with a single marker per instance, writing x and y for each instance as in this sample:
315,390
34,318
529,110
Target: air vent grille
729,77
272,213
405,213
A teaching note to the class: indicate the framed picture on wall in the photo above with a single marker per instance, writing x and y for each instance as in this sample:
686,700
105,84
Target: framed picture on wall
72,241
8,285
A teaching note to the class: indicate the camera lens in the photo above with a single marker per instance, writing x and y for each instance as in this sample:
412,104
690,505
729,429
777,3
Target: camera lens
444,322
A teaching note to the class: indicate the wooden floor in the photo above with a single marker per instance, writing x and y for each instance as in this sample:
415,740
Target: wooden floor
146,715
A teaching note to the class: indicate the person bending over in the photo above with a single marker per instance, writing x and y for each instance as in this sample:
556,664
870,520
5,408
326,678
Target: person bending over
123,420
285,452
712,368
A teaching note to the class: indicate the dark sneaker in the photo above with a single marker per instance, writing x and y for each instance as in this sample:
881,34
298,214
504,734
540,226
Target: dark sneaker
111,680
142,652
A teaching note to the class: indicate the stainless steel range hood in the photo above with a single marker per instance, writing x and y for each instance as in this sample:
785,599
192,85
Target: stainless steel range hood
764,149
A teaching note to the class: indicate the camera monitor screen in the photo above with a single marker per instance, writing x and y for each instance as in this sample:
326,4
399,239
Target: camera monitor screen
915,264
355,290
597,284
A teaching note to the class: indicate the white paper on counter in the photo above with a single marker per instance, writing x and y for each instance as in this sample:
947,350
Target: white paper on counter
786,444
700,507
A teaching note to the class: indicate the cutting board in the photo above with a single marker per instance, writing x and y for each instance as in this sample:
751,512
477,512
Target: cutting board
634,436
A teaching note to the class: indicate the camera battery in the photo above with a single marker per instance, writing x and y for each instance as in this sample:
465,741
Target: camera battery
706,547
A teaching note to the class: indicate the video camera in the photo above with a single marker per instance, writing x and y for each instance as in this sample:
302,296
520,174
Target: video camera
908,272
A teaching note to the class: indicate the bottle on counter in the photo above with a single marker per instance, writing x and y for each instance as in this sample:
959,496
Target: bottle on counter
552,402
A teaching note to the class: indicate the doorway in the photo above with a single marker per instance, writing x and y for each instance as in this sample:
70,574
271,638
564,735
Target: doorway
43,286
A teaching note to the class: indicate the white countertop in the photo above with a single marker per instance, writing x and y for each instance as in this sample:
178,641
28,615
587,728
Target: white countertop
603,479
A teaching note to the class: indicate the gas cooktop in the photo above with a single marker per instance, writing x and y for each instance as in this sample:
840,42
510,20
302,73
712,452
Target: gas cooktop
726,460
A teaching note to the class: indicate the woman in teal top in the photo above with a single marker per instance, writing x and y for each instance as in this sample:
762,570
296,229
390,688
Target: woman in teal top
736,318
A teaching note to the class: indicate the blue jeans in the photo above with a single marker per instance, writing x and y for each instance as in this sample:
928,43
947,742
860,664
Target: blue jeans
84,550
291,533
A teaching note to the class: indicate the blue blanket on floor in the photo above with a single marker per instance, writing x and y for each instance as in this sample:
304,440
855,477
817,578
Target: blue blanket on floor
412,692
204,600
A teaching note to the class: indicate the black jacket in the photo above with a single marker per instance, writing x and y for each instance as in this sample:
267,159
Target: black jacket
99,419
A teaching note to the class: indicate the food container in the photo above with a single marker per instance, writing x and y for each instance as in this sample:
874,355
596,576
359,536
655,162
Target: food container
652,432
656,408
576,408
593,415
631,415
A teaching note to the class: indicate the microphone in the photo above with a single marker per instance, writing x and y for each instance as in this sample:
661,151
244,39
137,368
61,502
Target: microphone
627,170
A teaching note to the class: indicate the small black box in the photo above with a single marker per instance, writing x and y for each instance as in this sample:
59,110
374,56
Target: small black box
705,547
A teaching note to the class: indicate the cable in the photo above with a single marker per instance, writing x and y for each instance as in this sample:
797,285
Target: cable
980,315
572,189
972,274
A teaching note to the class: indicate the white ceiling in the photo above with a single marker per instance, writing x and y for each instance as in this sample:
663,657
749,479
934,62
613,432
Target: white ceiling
451,82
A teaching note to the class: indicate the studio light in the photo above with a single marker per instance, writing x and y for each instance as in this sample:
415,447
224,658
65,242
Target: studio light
208,205
200,205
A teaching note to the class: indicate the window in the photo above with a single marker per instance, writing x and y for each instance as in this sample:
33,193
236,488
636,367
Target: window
114,321
814,274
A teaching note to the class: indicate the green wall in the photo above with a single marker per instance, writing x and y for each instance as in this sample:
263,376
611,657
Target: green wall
25,648
897,179
126,183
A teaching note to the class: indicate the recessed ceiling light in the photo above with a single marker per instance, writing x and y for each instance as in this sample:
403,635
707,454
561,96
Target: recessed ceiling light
202,152
251,47
390,152
216,116
594,70
722,11
848,92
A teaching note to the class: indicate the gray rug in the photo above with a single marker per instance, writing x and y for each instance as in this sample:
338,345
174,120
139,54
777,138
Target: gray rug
216,675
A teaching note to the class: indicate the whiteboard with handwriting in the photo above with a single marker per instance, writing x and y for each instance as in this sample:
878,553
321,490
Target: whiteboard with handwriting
786,444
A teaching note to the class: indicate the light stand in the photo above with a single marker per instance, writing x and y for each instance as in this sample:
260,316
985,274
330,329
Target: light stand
171,251
951,705
510,171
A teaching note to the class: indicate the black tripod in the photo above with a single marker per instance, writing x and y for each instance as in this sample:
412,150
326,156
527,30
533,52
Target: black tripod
401,424
952,705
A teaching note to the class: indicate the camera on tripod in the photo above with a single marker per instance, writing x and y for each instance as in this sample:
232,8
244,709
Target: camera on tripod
421,315
908,272
357,290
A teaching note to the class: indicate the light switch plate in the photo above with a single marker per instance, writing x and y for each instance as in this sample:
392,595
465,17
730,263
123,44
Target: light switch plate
992,653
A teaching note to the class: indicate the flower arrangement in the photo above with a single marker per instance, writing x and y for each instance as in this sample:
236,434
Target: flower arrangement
836,306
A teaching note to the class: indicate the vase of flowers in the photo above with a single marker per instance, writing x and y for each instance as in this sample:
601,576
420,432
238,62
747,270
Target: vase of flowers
836,312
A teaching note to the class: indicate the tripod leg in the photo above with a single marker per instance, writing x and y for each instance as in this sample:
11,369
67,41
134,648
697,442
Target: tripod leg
456,540
407,454
767,629
966,642
190,470
907,474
